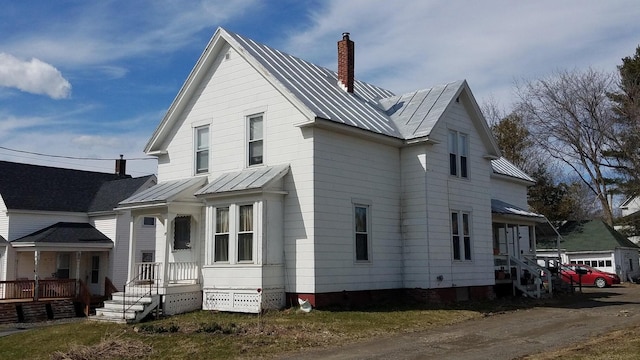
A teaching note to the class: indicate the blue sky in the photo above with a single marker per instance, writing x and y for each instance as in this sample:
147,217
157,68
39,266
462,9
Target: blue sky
94,78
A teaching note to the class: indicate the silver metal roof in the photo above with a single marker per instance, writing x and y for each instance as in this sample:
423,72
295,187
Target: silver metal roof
247,179
501,207
165,191
417,112
503,166
369,107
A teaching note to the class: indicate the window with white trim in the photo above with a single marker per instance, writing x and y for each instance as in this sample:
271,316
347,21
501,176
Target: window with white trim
149,221
221,237
201,150
245,233
458,154
255,147
461,235
361,213
182,233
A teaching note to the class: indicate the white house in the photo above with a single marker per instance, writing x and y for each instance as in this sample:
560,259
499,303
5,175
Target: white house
279,179
59,230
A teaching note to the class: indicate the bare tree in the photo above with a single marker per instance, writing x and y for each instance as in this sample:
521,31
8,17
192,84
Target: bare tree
570,117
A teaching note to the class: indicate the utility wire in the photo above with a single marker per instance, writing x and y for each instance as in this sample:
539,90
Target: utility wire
69,157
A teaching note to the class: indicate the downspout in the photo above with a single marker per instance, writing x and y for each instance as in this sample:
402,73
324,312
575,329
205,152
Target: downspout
426,201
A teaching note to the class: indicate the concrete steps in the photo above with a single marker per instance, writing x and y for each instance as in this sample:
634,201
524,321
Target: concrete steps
129,308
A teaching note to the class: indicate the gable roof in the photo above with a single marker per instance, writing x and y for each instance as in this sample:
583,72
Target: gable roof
67,233
588,235
316,92
44,188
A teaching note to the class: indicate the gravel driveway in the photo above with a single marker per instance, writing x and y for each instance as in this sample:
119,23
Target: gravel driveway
508,335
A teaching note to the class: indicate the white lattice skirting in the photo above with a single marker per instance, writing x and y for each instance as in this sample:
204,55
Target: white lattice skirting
181,303
242,300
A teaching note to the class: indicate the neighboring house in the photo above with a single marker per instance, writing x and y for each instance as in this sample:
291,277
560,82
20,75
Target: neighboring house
281,180
629,222
60,224
596,244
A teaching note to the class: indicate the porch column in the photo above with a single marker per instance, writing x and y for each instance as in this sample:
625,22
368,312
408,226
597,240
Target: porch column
78,257
36,269
132,248
166,248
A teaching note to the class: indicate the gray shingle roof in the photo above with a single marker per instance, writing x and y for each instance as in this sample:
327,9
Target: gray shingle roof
112,192
34,187
67,233
247,179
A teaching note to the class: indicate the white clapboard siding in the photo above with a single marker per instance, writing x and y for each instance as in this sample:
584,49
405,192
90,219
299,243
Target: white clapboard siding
231,91
350,170
25,223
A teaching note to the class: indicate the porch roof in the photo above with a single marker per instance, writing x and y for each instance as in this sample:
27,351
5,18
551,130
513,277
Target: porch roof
164,192
247,179
3,241
504,208
66,233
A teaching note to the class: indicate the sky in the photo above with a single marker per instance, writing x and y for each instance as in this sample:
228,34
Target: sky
93,79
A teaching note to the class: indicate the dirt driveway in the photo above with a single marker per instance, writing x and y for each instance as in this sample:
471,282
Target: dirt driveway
505,336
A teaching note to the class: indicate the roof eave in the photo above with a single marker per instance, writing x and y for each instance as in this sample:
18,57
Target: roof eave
347,129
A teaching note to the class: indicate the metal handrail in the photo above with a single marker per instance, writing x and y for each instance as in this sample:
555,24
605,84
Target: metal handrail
135,285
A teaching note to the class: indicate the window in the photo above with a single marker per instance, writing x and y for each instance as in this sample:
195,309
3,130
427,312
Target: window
147,257
202,149
245,233
95,269
182,233
458,154
148,221
362,233
608,263
255,150
461,235
221,237
62,268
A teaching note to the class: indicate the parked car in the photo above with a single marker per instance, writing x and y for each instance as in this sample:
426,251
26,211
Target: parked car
588,275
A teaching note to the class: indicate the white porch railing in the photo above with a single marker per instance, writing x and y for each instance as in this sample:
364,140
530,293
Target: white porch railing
177,272
148,271
183,271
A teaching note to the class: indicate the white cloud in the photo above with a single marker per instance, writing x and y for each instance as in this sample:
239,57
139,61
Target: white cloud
416,44
97,33
33,76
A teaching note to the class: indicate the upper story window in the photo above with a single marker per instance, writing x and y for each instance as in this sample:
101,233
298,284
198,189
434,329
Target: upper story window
149,221
461,235
256,140
202,149
458,154
362,232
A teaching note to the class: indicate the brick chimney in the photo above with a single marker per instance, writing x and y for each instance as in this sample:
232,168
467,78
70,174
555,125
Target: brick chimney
346,60
121,166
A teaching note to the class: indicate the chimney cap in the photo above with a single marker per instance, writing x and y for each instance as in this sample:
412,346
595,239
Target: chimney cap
345,36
